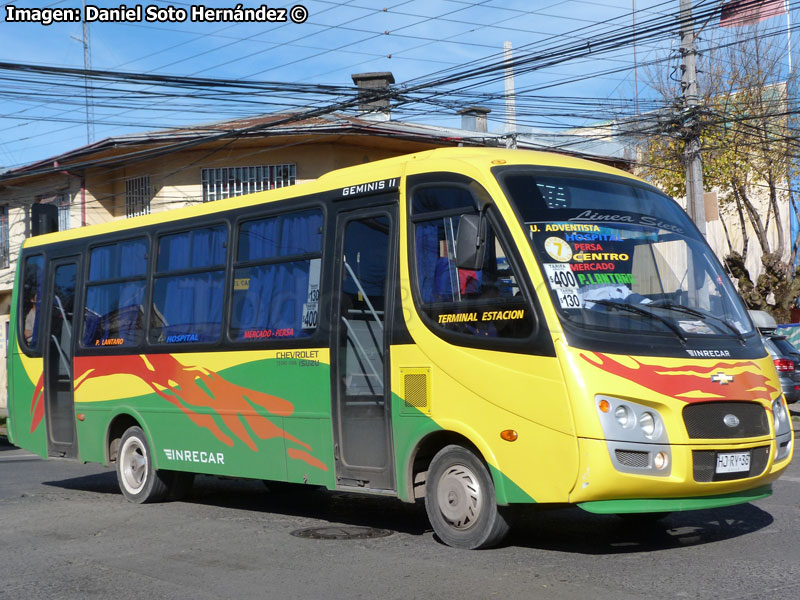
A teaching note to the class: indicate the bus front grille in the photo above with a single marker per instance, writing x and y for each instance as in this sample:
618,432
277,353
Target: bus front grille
725,420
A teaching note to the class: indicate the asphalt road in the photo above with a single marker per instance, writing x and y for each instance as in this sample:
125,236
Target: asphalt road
66,532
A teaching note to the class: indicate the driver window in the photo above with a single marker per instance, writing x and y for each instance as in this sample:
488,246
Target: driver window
484,302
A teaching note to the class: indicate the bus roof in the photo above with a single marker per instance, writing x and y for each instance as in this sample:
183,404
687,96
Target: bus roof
340,178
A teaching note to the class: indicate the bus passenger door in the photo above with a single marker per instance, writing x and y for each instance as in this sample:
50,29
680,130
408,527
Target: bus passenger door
361,389
58,398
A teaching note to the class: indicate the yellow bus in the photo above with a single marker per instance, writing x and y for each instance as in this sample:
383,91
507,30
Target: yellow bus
477,328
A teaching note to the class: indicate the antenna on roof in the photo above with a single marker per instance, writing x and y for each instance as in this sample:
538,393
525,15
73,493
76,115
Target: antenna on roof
87,64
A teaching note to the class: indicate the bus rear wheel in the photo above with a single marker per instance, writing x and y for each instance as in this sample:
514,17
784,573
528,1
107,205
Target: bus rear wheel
138,480
460,500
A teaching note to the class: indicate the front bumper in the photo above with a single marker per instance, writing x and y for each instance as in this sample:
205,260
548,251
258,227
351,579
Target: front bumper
600,478
661,505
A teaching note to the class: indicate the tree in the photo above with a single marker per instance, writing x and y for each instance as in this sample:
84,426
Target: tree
749,150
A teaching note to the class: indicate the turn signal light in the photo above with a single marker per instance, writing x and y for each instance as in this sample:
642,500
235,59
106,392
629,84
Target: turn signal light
509,435
604,406
81,416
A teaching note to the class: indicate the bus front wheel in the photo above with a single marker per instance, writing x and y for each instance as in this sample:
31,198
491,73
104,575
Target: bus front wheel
460,500
137,478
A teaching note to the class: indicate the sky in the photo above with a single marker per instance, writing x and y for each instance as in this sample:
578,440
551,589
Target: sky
411,38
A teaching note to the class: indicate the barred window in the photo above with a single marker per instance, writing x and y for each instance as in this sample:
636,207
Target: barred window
62,201
5,261
137,196
228,182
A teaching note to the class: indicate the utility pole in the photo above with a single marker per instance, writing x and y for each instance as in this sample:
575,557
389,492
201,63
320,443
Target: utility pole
511,103
695,199
635,62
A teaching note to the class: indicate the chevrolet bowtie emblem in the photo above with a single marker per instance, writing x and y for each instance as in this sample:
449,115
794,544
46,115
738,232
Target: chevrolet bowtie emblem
722,378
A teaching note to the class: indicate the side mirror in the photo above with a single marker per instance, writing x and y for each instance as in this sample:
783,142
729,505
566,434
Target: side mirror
471,242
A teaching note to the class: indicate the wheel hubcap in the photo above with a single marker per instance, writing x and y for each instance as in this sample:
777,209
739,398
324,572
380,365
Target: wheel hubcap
134,465
460,497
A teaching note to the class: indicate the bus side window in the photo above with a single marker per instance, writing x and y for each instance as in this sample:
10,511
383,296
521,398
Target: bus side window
276,278
188,286
31,299
114,312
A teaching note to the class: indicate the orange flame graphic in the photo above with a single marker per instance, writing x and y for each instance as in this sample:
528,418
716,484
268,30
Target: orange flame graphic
692,383
194,387
37,404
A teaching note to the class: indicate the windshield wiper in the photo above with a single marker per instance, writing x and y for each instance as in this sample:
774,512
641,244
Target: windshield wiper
640,311
700,313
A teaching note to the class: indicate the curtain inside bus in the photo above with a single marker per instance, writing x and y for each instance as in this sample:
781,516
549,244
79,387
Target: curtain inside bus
114,311
271,300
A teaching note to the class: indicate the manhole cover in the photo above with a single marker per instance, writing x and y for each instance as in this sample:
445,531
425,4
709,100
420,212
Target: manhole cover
341,532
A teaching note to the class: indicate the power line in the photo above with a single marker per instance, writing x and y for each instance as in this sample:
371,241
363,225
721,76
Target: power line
454,85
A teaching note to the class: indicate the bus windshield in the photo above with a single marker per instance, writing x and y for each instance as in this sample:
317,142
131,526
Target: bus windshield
622,256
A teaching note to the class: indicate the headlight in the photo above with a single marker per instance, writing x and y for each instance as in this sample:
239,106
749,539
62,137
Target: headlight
623,416
647,423
626,420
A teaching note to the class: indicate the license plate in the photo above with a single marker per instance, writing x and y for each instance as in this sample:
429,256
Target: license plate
735,462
